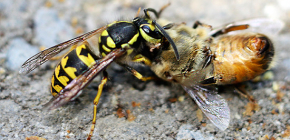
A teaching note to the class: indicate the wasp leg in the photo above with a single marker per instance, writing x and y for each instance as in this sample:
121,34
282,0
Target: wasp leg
136,73
242,91
96,101
198,23
142,59
230,29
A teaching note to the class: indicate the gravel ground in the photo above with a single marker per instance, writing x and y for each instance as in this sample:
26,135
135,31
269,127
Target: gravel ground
165,110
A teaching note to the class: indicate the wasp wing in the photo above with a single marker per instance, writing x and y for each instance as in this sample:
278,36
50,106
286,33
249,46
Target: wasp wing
43,56
70,91
212,105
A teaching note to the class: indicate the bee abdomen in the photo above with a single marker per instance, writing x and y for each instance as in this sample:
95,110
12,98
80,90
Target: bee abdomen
241,57
71,66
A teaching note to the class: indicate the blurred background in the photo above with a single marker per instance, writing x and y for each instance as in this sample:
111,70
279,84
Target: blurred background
162,111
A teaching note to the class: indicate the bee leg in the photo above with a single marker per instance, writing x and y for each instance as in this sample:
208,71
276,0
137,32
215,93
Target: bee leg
168,26
230,29
96,101
197,23
162,8
240,88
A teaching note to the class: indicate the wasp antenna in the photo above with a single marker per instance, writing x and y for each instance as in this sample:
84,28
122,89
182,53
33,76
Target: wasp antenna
157,14
138,12
168,38
146,13
151,10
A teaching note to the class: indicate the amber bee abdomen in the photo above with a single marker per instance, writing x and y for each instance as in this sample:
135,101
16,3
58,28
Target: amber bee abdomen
71,66
241,57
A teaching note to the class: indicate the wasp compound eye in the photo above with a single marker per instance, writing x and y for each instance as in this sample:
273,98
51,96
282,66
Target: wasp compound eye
169,39
152,32
146,29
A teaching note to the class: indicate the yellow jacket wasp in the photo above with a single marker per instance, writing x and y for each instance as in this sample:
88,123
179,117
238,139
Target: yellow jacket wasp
91,53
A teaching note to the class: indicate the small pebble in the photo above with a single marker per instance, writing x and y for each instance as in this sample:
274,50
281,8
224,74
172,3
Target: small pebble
269,75
275,86
181,98
18,52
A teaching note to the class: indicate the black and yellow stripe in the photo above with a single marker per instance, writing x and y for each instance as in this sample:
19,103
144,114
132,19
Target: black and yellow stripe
71,66
119,34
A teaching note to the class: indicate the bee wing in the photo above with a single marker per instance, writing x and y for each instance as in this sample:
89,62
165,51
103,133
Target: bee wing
43,56
212,105
70,91
261,25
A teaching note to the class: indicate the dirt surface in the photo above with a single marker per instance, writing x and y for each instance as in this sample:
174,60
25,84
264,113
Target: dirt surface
157,110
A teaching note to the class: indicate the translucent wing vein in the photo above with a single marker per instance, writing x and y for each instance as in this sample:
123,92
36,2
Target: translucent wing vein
212,105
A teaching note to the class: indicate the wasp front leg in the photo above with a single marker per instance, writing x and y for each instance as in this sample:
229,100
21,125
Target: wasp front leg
141,59
96,101
136,73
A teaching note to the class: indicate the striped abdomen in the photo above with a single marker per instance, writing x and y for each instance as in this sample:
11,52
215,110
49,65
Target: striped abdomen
71,66
241,57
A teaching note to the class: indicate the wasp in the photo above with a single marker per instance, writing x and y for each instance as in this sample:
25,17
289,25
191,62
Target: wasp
91,53
211,57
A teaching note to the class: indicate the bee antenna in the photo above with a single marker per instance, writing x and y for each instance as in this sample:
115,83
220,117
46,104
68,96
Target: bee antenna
169,39
137,14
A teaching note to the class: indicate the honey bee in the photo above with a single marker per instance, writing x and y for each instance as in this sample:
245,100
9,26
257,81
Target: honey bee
210,57
92,52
